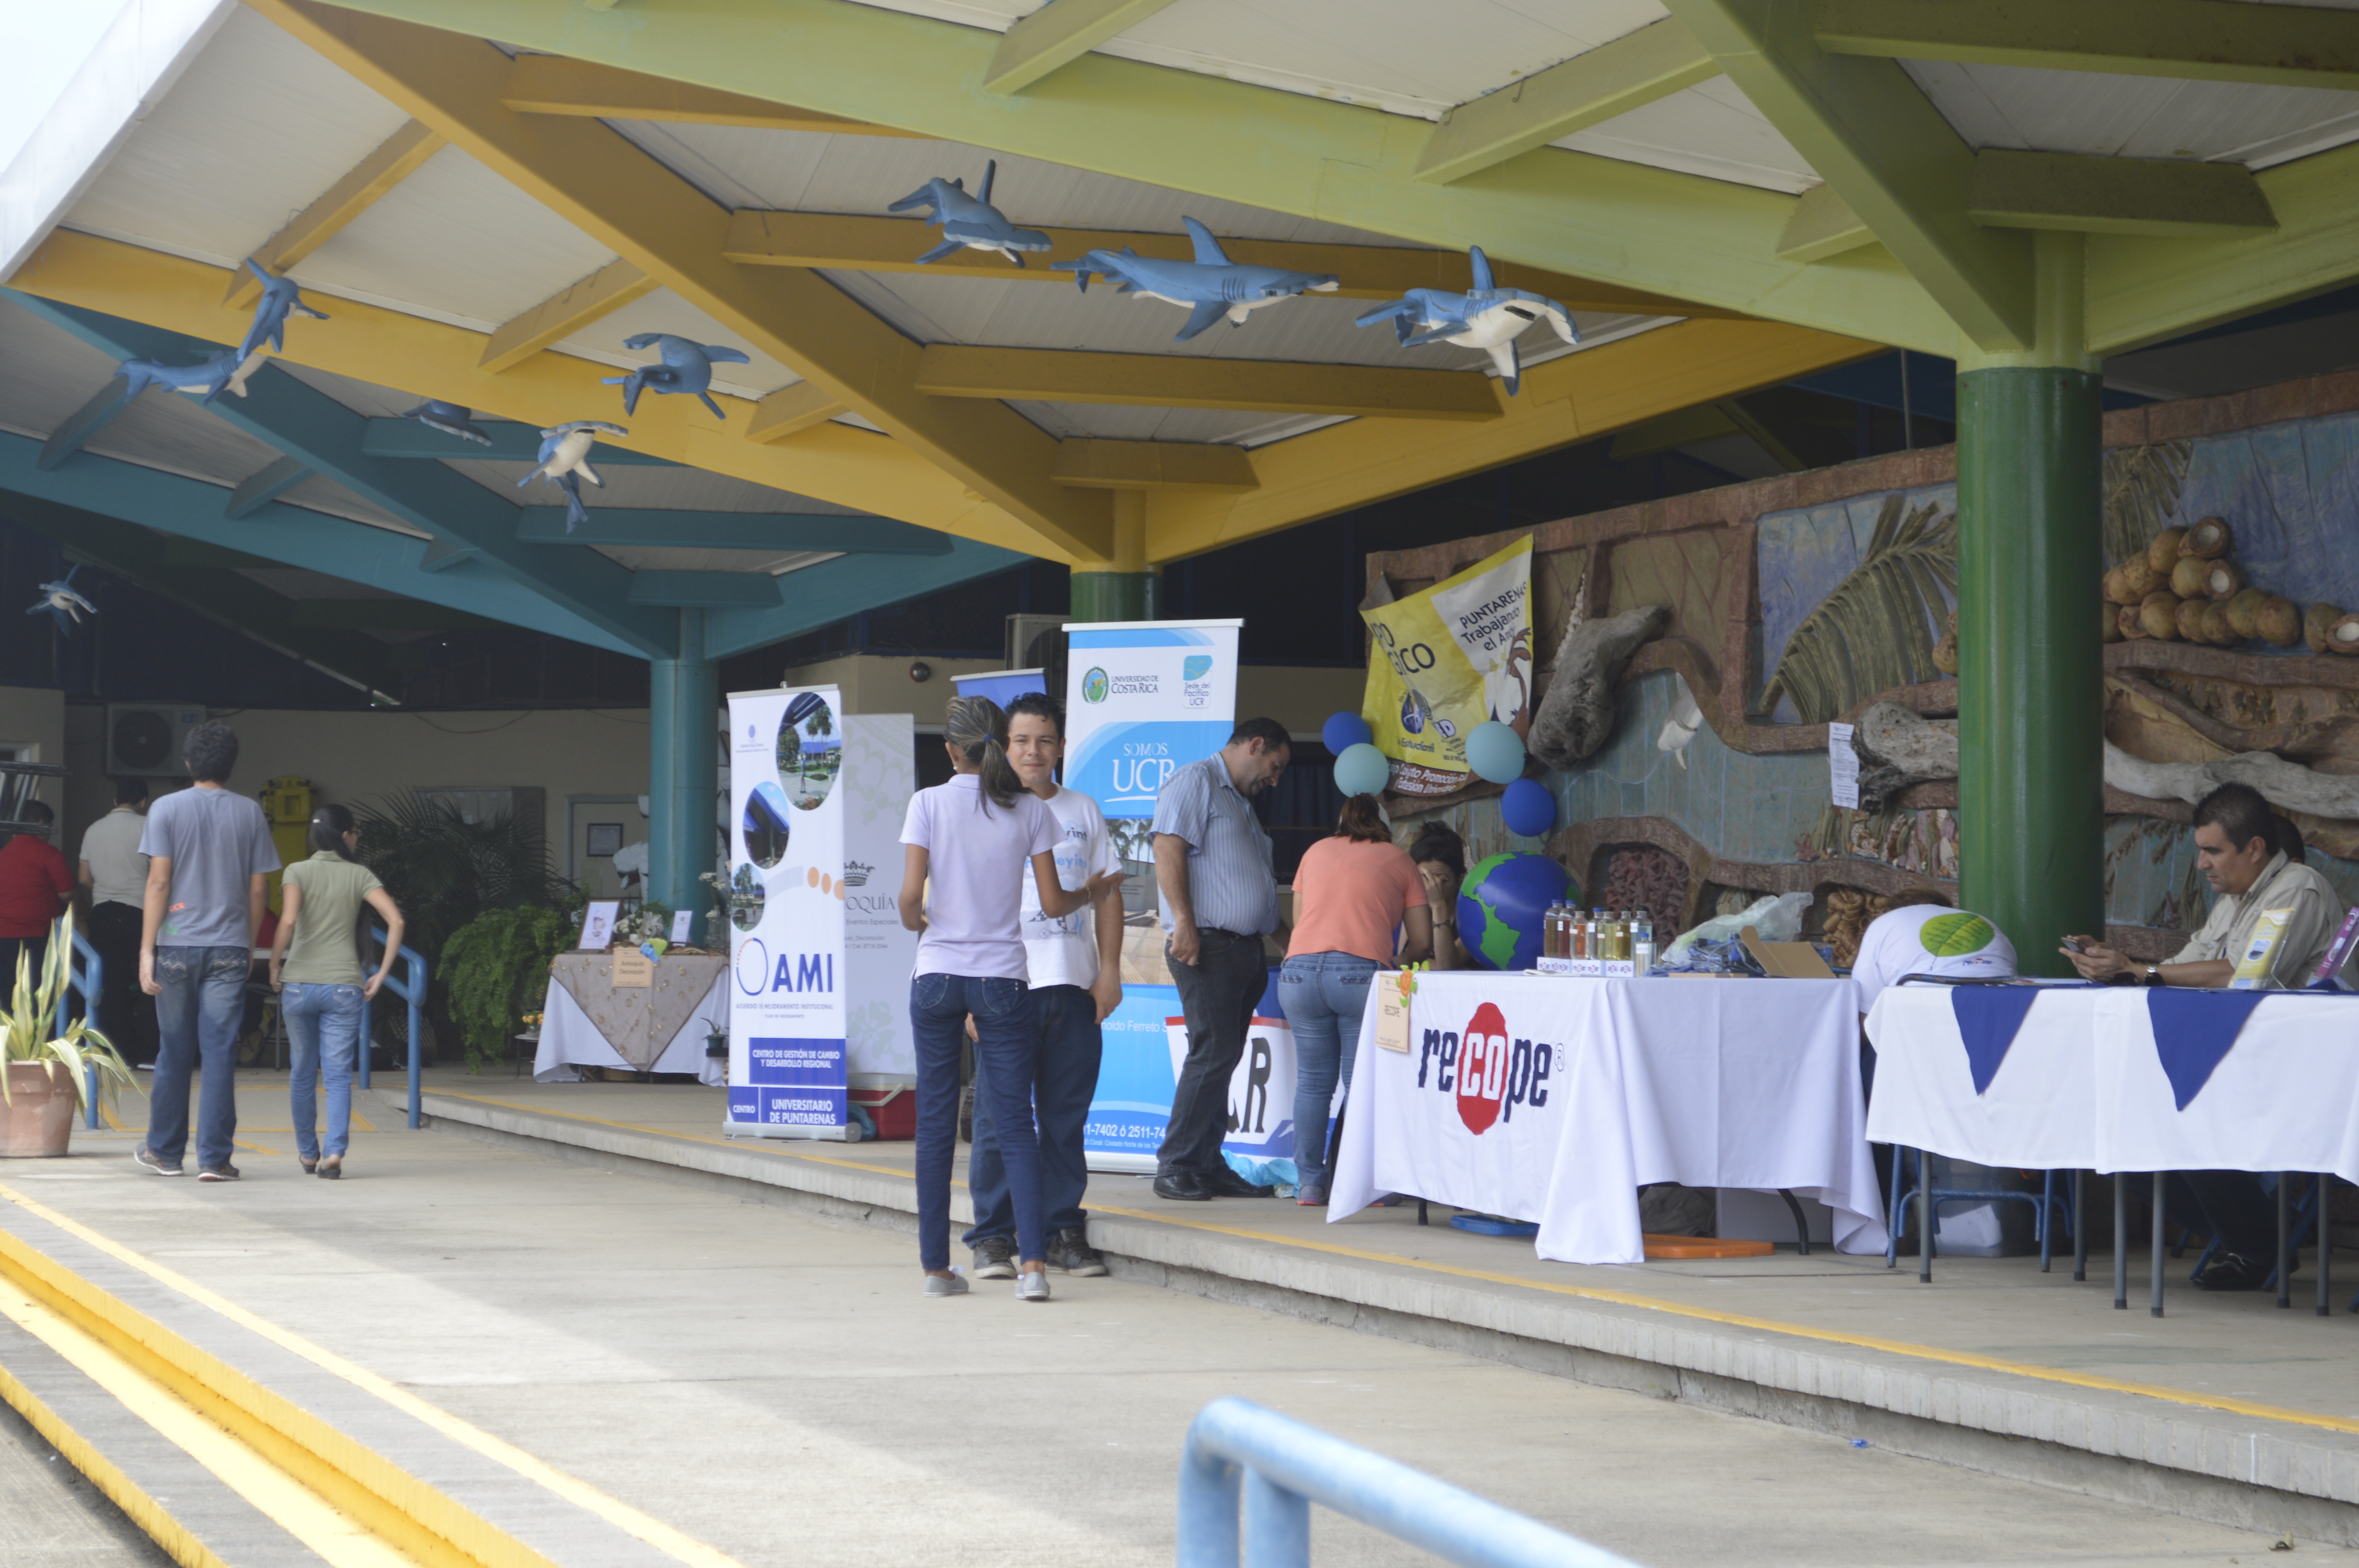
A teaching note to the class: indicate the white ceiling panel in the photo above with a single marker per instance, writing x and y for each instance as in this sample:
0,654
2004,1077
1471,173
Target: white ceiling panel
1711,129
1118,423
2136,116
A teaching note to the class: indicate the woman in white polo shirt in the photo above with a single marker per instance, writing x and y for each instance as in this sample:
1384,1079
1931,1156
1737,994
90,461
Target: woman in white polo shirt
973,837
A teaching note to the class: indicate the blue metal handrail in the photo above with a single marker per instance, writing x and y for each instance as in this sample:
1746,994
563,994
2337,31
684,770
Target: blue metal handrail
86,977
1282,1466
409,984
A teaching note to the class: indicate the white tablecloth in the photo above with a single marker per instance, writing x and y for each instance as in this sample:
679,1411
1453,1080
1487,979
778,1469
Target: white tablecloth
2083,1085
1604,1086
568,1040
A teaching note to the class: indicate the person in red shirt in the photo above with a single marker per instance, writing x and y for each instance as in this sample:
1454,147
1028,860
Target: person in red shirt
35,883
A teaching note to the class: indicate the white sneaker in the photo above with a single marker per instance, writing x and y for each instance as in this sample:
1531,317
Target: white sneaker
950,1284
1032,1287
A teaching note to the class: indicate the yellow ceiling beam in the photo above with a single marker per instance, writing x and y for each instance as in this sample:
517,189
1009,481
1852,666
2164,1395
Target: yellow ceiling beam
564,313
622,198
1152,465
428,358
1823,225
1186,380
1058,34
396,158
2161,197
846,241
791,410
2198,41
1577,398
1612,79
552,84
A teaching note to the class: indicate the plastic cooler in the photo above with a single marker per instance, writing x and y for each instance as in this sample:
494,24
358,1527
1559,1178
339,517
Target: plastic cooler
895,1111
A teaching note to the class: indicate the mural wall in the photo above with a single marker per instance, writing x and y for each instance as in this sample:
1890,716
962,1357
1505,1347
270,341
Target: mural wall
1802,600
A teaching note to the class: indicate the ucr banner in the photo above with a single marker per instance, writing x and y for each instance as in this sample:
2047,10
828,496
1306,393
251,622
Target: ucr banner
1142,700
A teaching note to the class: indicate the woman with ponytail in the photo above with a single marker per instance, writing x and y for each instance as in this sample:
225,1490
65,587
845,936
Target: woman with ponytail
321,994
973,837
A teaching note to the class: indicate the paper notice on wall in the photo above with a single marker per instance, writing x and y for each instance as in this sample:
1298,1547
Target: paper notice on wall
1843,767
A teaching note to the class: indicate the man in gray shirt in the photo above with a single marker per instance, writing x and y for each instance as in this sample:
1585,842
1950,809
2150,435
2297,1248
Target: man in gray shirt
1213,868
209,858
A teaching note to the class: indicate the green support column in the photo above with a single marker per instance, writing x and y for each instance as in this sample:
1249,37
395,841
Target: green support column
1124,588
2030,675
683,772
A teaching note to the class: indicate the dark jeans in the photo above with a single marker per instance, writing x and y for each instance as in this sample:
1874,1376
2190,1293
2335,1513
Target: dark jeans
197,1014
1218,994
1325,996
126,1015
1007,1042
2235,1208
1064,1080
324,1028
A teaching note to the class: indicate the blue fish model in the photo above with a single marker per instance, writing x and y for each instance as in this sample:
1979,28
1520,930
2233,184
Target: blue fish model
1485,317
208,378
62,604
450,419
280,298
970,222
1211,286
687,368
565,462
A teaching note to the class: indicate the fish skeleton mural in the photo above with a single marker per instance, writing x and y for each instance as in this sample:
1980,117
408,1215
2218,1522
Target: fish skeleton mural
970,222
1211,287
565,462
687,368
1485,317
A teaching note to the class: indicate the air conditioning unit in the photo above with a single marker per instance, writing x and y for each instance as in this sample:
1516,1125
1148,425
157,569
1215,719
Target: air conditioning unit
144,739
1034,642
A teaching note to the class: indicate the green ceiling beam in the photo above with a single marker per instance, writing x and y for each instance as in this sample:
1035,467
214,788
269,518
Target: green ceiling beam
2201,40
1823,225
1057,35
2162,198
1871,132
1612,79
1709,240
86,421
646,528
265,485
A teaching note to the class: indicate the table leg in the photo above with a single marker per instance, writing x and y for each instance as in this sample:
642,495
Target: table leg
1924,1218
2121,1241
1801,1221
2046,1218
2155,1306
1420,1211
2285,1239
2325,1242
2080,1231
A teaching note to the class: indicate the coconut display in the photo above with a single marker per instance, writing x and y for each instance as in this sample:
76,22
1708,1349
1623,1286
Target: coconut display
2209,540
2244,611
2163,553
2131,624
1945,652
2189,617
2314,622
2187,578
2117,586
2158,613
2279,620
2222,579
2216,630
2110,630
2342,635
2139,578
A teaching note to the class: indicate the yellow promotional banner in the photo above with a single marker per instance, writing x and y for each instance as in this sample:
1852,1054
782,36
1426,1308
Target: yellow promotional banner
1444,660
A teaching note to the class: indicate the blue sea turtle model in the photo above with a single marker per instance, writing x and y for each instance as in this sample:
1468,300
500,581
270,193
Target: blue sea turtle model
687,368
450,419
1211,286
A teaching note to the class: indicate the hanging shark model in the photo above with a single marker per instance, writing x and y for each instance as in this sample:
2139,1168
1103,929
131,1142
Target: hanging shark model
280,298
63,604
1211,286
686,367
450,419
1485,317
565,462
208,378
970,222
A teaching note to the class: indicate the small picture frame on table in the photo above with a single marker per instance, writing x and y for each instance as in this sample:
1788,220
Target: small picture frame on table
598,923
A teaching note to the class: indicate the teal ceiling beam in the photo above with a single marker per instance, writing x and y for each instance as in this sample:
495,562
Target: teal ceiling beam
511,443
829,592
705,591
86,421
325,437
854,534
192,509
263,486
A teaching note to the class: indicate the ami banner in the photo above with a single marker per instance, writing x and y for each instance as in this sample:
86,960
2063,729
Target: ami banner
813,969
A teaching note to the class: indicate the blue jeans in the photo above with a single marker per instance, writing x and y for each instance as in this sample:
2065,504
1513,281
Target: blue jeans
323,1026
198,1011
1324,995
1007,1043
1064,1081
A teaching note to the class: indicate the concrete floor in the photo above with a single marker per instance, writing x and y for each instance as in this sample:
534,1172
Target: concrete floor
774,1384
51,1518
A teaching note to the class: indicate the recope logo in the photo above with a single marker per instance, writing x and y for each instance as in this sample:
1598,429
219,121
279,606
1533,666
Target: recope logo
1487,1071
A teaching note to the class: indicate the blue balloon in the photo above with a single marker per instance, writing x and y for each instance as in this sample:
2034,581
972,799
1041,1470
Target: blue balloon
1495,751
1345,731
1528,808
1361,769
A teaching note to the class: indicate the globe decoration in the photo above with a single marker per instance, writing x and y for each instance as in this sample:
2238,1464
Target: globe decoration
1502,905
1495,752
1528,808
1361,769
1344,730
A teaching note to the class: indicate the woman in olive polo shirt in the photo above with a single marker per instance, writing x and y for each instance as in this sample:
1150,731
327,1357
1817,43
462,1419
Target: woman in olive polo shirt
322,995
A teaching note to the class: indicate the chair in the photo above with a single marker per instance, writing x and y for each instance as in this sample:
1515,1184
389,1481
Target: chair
2045,1204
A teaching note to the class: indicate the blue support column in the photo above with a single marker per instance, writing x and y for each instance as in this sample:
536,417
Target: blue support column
683,771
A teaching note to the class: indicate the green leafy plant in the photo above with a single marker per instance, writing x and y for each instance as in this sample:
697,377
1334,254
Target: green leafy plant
1874,630
28,1028
496,969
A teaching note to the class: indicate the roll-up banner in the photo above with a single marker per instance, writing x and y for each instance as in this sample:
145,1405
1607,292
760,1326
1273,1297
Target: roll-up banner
809,787
1003,687
1143,698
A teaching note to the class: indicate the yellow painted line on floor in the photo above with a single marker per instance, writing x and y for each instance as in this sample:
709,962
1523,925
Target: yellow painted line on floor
301,1512
108,1112
654,1531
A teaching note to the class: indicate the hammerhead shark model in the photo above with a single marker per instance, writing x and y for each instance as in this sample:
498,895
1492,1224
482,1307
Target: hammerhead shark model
280,298
1485,317
565,461
208,378
1211,286
686,367
63,604
970,222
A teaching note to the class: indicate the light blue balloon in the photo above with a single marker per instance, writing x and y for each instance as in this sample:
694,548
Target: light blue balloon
1495,751
1361,769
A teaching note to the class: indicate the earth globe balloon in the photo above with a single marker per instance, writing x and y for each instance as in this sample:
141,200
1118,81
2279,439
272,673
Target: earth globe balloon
1503,908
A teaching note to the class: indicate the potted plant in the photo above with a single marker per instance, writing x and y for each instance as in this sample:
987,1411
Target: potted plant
44,1075
496,967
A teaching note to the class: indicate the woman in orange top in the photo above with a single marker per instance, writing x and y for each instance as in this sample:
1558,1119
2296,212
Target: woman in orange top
1353,891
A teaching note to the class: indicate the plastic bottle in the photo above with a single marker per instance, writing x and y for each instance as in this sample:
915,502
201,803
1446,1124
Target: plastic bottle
1576,931
1552,932
1642,941
1618,935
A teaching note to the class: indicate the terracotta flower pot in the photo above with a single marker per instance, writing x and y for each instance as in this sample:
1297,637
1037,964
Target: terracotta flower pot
36,1120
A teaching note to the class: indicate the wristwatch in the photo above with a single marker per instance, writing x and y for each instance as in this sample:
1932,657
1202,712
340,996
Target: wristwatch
2153,975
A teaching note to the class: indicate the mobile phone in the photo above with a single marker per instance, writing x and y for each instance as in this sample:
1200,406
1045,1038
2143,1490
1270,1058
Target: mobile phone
2073,944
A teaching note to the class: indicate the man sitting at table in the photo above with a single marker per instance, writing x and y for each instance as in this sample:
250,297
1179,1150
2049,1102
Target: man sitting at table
2238,849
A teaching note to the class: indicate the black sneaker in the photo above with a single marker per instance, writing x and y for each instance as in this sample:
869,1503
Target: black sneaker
217,1172
1070,1252
2234,1271
995,1258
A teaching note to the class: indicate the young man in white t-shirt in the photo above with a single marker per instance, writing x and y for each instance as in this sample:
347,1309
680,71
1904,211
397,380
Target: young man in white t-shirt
1076,979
